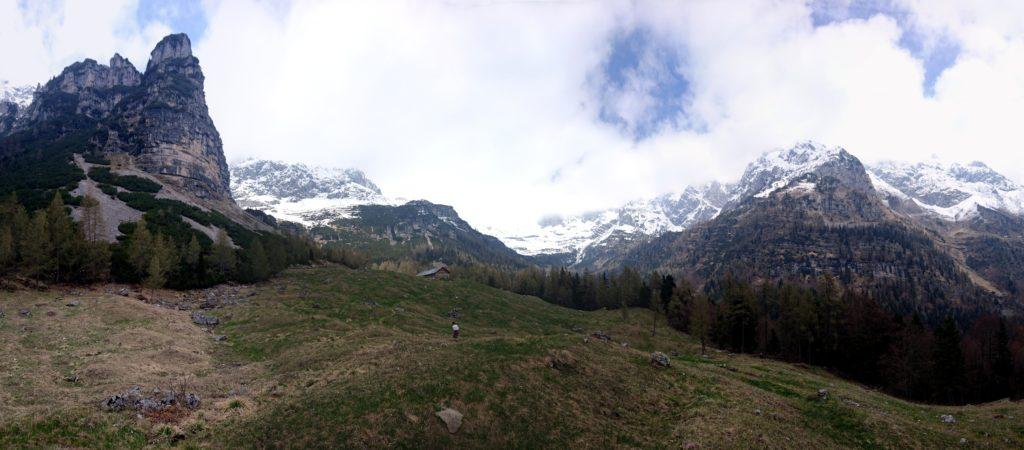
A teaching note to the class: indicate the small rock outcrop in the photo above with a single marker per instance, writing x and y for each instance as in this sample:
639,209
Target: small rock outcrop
135,399
560,360
199,318
659,359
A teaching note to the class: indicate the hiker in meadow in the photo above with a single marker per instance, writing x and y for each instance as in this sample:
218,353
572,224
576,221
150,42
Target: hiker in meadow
455,331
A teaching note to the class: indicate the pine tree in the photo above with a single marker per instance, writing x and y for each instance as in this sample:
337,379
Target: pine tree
222,256
63,235
7,253
96,261
258,268
701,318
950,374
36,249
668,287
19,221
192,253
92,218
156,273
1002,365
140,249
161,262
738,298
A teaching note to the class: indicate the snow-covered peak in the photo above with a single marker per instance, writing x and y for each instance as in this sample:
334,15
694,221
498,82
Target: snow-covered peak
301,193
585,233
952,190
778,168
19,95
299,181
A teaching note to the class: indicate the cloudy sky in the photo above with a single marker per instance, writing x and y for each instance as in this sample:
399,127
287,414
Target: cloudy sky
511,110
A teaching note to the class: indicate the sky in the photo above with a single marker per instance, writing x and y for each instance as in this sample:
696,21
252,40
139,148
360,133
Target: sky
514,110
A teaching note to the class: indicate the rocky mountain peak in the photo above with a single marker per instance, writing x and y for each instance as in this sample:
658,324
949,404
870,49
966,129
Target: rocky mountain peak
89,74
160,118
171,47
777,169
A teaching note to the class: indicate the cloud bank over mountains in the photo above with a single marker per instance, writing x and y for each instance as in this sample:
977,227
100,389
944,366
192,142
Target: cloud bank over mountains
513,110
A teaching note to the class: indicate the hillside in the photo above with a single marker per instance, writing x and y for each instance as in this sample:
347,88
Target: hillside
417,230
339,358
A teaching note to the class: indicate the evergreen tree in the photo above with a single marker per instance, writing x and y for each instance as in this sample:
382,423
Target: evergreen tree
222,257
63,236
36,249
257,266
949,375
192,253
156,273
140,249
701,318
95,261
92,218
739,298
1002,366
7,253
162,259
667,288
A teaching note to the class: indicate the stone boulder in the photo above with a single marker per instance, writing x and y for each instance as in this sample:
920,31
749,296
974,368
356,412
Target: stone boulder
199,318
451,418
659,359
560,360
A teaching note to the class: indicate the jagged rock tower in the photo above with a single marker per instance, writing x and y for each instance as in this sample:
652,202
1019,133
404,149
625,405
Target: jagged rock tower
158,117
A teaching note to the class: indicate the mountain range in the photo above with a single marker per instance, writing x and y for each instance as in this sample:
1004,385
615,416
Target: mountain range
950,235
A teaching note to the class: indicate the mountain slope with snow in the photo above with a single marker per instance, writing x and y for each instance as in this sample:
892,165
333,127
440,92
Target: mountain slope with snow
300,193
952,191
18,95
602,236
585,237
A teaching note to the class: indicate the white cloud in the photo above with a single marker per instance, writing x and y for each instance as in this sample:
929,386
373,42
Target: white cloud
486,105
38,39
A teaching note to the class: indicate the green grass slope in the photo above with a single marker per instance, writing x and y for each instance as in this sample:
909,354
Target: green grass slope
330,357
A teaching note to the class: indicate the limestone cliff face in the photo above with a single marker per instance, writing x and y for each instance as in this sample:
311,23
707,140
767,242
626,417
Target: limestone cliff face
159,117
175,133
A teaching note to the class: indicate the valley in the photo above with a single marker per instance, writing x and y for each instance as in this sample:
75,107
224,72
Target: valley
328,356
152,295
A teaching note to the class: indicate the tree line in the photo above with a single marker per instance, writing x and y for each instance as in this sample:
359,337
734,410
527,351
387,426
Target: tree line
817,321
158,250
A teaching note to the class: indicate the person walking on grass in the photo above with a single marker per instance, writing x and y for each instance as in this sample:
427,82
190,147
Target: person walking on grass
455,331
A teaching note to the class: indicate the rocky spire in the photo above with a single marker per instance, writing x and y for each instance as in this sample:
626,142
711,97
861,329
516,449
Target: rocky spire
174,46
160,117
122,72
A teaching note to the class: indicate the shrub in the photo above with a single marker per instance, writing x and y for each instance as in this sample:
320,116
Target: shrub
129,182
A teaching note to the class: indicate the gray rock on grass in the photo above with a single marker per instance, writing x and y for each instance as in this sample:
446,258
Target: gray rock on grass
659,359
451,418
